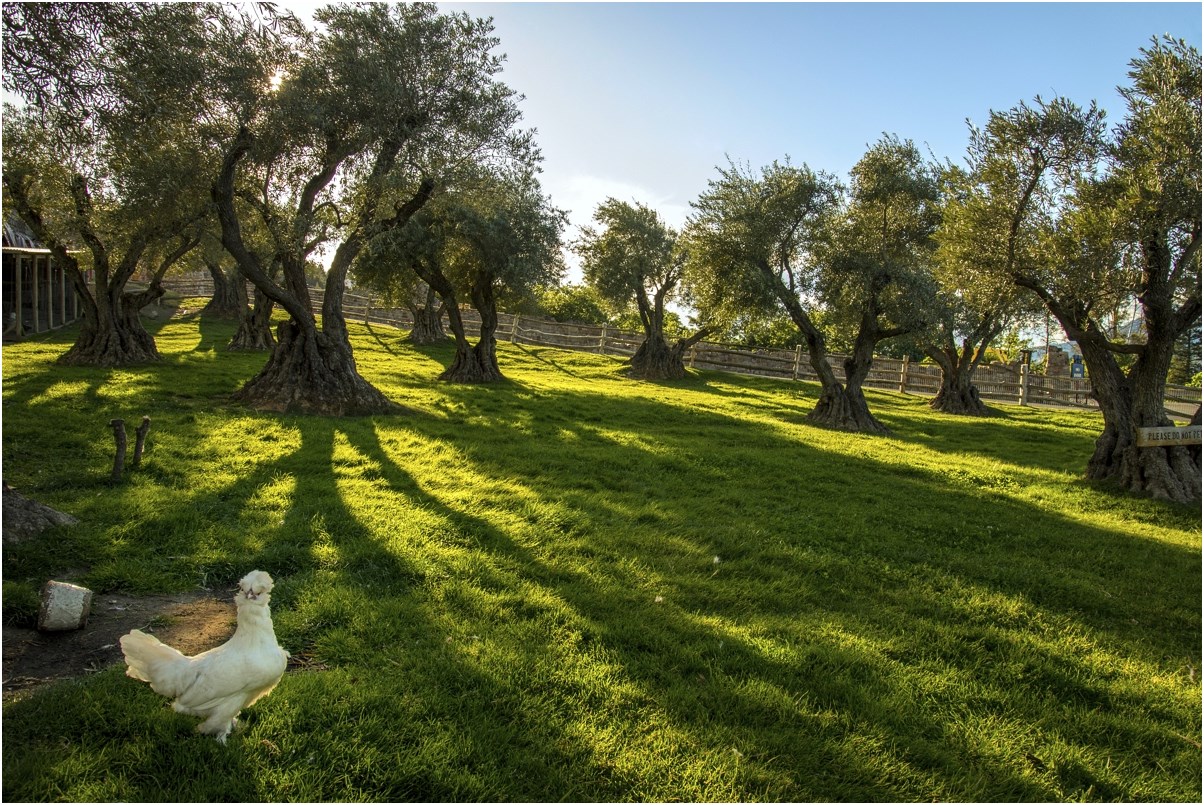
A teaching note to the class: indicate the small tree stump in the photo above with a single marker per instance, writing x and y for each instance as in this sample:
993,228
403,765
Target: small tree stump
140,440
118,426
64,607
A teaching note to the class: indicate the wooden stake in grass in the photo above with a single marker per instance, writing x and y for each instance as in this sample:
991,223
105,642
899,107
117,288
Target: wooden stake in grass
118,426
140,440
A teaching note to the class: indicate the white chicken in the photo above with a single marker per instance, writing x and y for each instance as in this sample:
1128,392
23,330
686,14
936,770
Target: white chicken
216,684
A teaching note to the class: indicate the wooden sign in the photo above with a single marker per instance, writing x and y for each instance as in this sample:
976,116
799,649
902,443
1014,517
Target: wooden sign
1168,437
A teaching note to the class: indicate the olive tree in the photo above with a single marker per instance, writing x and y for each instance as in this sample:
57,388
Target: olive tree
754,242
355,138
105,163
875,277
492,236
975,300
787,240
1134,232
1021,167
635,258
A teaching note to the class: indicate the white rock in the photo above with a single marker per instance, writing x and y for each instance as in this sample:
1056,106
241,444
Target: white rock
64,607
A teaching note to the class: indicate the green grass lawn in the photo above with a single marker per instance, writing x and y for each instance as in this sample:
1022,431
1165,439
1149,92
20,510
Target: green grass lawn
574,586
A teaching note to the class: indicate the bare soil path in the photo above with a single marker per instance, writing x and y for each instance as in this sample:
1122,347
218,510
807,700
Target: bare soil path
191,622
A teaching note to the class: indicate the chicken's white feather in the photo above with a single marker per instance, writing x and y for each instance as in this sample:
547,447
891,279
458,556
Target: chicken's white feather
216,684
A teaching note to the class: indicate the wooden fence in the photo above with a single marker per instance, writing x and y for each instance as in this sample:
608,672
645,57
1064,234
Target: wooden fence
998,382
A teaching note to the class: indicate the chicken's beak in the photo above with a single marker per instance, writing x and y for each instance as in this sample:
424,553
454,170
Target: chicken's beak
250,595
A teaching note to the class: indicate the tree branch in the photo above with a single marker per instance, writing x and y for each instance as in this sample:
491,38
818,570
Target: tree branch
686,343
1188,254
248,262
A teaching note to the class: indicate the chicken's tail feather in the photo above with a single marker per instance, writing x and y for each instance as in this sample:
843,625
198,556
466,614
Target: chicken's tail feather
167,670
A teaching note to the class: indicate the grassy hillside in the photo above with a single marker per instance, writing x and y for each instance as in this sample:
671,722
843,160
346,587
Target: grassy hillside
573,586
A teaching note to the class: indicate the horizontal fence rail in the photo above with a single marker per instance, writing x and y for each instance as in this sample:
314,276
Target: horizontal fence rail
1000,382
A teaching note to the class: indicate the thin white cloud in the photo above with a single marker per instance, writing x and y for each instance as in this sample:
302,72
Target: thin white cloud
581,194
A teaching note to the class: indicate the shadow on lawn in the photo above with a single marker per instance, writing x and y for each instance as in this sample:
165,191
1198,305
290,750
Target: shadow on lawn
1010,434
1041,566
829,714
215,331
388,344
823,747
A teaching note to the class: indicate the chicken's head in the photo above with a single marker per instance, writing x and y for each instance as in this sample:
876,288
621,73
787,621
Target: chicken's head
254,588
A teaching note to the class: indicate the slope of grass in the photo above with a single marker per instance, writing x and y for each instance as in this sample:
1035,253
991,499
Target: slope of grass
572,586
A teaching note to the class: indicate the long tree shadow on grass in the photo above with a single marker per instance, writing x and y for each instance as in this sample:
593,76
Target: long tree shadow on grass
784,672
336,581
667,646
215,331
1036,572
1012,434
655,648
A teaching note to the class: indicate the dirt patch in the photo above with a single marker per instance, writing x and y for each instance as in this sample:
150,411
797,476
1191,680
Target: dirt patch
191,622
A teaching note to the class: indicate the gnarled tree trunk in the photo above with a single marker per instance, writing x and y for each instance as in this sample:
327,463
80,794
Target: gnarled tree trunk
312,370
225,301
311,373
856,369
428,320
112,333
656,360
474,364
471,364
836,408
1136,398
254,333
842,407
957,394
1133,401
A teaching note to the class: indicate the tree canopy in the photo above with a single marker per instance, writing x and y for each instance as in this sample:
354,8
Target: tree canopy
1095,221
106,163
635,260
794,240
374,113
492,235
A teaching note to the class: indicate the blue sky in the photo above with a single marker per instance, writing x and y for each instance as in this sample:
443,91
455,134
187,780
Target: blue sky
642,100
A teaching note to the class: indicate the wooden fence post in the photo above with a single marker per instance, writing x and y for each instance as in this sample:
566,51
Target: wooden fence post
903,374
35,293
514,328
140,440
1023,384
19,323
798,355
602,342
